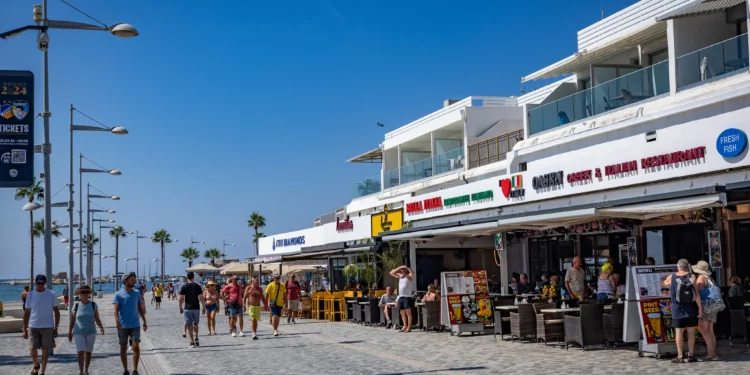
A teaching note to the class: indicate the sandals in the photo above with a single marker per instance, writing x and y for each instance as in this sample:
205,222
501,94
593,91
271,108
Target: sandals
35,371
678,360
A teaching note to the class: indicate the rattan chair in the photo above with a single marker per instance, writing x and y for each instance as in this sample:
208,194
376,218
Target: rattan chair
523,323
431,316
587,329
738,326
614,323
549,326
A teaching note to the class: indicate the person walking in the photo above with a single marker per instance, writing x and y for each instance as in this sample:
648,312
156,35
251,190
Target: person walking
25,293
293,297
211,296
153,296
575,280
275,295
158,292
191,295
232,294
128,307
85,313
605,287
39,326
405,298
252,298
686,308
703,284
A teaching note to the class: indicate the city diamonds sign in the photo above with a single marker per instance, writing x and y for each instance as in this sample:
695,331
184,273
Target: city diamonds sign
16,128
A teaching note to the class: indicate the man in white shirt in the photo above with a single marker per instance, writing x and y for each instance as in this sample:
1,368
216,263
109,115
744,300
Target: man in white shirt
405,298
41,305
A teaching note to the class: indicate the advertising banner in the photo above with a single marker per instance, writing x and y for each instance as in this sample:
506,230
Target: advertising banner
468,298
387,221
16,128
656,316
714,248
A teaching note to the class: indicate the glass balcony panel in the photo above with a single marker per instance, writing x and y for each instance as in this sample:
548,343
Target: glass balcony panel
712,61
536,120
367,186
391,178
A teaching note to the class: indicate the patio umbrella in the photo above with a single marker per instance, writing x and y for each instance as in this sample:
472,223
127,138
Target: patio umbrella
202,267
235,269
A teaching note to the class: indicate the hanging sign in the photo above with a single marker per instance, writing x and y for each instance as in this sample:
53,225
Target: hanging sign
386,221
16,128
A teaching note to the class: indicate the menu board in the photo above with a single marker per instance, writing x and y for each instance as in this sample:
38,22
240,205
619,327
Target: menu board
650,281
468,297
656,315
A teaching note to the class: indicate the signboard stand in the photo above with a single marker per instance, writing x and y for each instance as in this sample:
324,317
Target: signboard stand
465,301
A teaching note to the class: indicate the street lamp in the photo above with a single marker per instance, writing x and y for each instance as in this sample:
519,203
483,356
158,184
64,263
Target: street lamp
137,253
89,196
223,245
126,264
43,24
149,265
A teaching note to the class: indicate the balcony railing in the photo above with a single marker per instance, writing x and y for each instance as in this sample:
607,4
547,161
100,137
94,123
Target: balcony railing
448,162
713,61
493,150
367,186
630,88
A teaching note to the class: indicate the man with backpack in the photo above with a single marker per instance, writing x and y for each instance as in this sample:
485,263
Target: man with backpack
686,308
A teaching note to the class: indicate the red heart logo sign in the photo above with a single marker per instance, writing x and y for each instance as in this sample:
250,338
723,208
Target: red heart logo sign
505,187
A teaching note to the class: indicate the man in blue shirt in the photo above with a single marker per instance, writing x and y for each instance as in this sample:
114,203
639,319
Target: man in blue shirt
128,306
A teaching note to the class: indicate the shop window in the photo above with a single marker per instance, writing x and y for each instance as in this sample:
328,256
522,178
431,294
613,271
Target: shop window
337,273
655,245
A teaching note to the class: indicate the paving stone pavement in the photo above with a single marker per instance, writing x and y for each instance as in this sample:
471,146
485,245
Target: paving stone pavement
316,347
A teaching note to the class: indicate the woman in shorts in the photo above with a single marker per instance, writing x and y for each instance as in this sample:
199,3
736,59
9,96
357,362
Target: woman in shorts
82,328
212,306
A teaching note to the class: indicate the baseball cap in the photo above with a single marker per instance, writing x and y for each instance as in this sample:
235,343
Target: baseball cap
41,279
276,276
125,276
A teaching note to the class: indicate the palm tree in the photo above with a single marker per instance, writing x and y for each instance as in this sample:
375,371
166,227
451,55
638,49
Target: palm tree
213,254
256,221
35,191
161,237
37,231
89,241
189,254
257,236
116,233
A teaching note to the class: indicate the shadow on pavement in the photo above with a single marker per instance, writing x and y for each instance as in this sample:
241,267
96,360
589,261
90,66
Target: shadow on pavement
441,370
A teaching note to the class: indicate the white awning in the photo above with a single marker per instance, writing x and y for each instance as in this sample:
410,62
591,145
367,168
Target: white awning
372,156
582,59
551,220
650,210
480,228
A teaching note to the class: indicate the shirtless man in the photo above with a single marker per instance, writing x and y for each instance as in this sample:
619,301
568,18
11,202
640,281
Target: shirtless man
252,297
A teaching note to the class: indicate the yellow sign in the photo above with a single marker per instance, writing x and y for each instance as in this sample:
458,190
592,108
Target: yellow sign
387,221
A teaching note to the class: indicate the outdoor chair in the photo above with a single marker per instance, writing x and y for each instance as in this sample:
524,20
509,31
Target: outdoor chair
357,318
431,317
395,316
738,326
372,312
523,323
548,325
502,317
613,323
587,329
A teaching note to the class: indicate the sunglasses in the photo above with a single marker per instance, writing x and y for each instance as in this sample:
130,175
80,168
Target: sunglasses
40,283
85,292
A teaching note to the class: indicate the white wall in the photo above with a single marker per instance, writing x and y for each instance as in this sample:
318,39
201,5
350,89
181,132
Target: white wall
694,33
482,123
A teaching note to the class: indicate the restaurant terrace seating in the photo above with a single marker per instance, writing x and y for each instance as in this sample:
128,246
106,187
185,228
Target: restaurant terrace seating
548,325
614,322
738,326
587,329
431,317
523,323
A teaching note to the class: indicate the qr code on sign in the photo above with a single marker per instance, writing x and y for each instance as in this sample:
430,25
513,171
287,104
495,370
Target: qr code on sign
18,157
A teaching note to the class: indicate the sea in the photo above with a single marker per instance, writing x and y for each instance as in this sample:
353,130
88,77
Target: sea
10,293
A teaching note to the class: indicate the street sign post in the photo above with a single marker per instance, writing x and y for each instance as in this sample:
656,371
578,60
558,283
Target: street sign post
16,128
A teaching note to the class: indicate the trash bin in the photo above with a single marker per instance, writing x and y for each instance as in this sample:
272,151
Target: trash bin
99,293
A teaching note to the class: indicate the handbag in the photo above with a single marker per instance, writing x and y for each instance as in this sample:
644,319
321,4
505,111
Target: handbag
712,302
278,289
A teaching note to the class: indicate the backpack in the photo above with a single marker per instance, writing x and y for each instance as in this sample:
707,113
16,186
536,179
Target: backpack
93,304
685,291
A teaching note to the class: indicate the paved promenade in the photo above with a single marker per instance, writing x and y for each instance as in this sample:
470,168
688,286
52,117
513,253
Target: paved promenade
316,347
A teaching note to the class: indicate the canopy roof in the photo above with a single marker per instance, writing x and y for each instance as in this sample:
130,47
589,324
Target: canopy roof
202,267
372,156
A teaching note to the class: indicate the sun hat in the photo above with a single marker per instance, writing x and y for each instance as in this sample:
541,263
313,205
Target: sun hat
606,267
701,268
210,282
82,288
127,275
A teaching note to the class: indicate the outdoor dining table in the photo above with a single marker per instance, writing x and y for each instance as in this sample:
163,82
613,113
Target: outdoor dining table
506,308
420,309
568,310
350,309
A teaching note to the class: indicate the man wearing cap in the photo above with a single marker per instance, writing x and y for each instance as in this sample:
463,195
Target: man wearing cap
128,307
275,299
41,305
232,294
191,294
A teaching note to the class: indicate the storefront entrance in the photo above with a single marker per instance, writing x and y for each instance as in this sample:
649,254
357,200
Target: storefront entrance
544,257
741,245
669,244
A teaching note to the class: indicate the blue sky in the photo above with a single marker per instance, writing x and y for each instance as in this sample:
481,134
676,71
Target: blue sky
255,106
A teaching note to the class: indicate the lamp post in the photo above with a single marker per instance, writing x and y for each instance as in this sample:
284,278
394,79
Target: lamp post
149,266
126,260
116,130
137,253
100,269
224,244
43,24
89,196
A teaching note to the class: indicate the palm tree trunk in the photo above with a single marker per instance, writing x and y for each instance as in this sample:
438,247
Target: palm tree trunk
31,231
117,260
162,263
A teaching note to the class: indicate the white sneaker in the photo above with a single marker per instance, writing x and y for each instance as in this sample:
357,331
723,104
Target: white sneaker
255,337
275,333
130,349
242,334
234,334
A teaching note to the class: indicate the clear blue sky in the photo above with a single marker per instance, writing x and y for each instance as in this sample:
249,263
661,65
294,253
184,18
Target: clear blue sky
244,106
